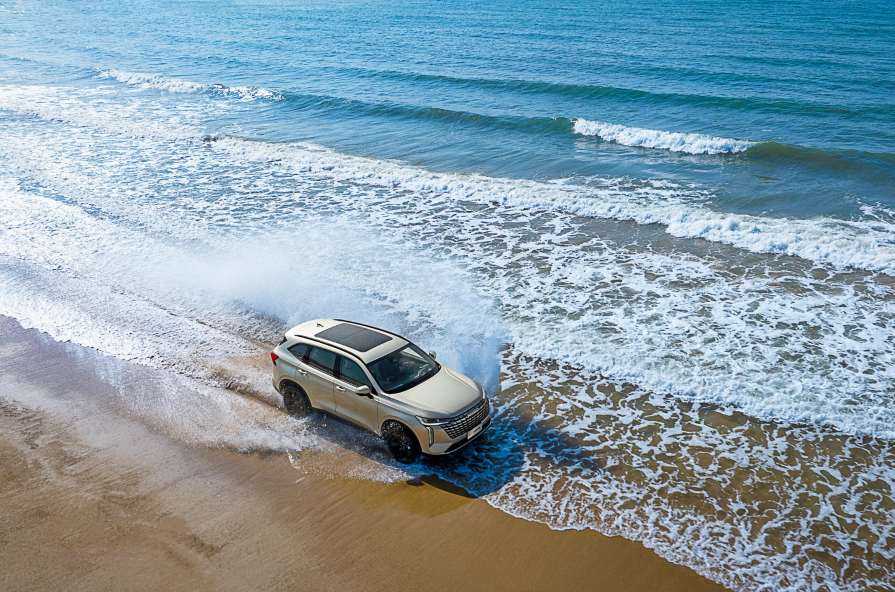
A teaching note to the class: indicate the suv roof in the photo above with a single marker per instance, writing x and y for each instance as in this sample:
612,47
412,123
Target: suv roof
367,343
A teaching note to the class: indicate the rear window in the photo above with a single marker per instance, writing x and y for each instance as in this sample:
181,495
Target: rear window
300,351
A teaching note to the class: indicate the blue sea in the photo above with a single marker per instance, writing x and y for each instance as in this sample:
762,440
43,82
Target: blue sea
661,234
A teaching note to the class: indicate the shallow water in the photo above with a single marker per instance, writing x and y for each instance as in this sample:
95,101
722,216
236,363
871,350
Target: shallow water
665,245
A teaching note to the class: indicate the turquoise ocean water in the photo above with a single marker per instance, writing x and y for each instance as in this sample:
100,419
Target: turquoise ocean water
663,234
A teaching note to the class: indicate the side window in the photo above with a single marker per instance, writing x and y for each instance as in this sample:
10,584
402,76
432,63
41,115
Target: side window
351,373
300,351
322,359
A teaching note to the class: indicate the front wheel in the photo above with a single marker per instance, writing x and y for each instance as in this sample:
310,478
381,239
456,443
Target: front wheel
401,442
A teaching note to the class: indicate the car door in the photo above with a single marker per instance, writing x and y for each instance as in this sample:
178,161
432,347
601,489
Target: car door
317,377
360,409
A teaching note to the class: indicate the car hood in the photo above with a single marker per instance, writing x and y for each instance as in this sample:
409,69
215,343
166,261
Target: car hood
444,395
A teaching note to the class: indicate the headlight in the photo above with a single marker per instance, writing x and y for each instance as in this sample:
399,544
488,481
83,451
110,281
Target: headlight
430,422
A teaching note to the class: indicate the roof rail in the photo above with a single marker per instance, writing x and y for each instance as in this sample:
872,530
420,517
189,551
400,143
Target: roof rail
330,344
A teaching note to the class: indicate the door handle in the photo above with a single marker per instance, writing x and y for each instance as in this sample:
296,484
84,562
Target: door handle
300,371
338,388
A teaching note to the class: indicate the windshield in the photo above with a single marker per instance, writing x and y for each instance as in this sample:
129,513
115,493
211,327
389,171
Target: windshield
403,369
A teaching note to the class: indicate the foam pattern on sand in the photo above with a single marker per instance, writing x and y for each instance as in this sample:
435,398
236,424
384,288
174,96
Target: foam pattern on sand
750,505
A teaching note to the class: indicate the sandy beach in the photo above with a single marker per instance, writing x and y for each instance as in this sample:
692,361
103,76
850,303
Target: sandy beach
96,500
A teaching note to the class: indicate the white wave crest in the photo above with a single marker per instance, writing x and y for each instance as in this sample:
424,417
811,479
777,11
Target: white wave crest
247,92
650,138
178,85
156,81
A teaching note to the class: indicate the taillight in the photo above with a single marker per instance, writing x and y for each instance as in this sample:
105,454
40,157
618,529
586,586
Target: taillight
273,358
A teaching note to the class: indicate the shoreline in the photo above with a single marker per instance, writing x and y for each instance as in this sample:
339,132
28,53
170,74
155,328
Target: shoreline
95,499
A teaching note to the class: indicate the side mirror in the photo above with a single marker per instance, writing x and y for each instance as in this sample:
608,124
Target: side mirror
432,353
363,391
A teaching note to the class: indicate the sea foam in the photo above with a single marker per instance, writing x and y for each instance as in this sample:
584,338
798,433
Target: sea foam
650,138
840,243
867,244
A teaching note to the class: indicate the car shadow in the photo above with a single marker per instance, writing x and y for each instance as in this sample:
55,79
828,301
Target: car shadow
442,484
511,445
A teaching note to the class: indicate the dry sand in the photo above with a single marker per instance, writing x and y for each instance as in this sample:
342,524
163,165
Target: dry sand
105,503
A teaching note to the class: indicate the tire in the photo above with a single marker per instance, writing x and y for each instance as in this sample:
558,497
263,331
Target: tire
401,442
296,401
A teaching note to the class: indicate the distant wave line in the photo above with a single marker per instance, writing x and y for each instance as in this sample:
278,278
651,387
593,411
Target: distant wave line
329,102
628,94
848,160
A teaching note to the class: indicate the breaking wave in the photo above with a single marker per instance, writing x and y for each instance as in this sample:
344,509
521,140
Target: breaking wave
179,85
650,138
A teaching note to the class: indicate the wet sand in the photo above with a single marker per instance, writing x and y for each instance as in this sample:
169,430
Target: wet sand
97,500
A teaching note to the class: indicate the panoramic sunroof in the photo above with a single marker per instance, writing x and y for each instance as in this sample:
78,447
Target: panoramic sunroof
357,338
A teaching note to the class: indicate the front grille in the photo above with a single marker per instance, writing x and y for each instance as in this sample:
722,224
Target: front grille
461,443
463,423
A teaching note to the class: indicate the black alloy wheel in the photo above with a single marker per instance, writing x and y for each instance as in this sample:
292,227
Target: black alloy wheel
401,442
296,402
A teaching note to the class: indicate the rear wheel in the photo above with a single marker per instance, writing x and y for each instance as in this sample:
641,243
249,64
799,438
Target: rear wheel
296,401
401,442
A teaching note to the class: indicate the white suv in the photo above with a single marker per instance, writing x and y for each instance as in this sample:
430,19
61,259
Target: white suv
381,382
